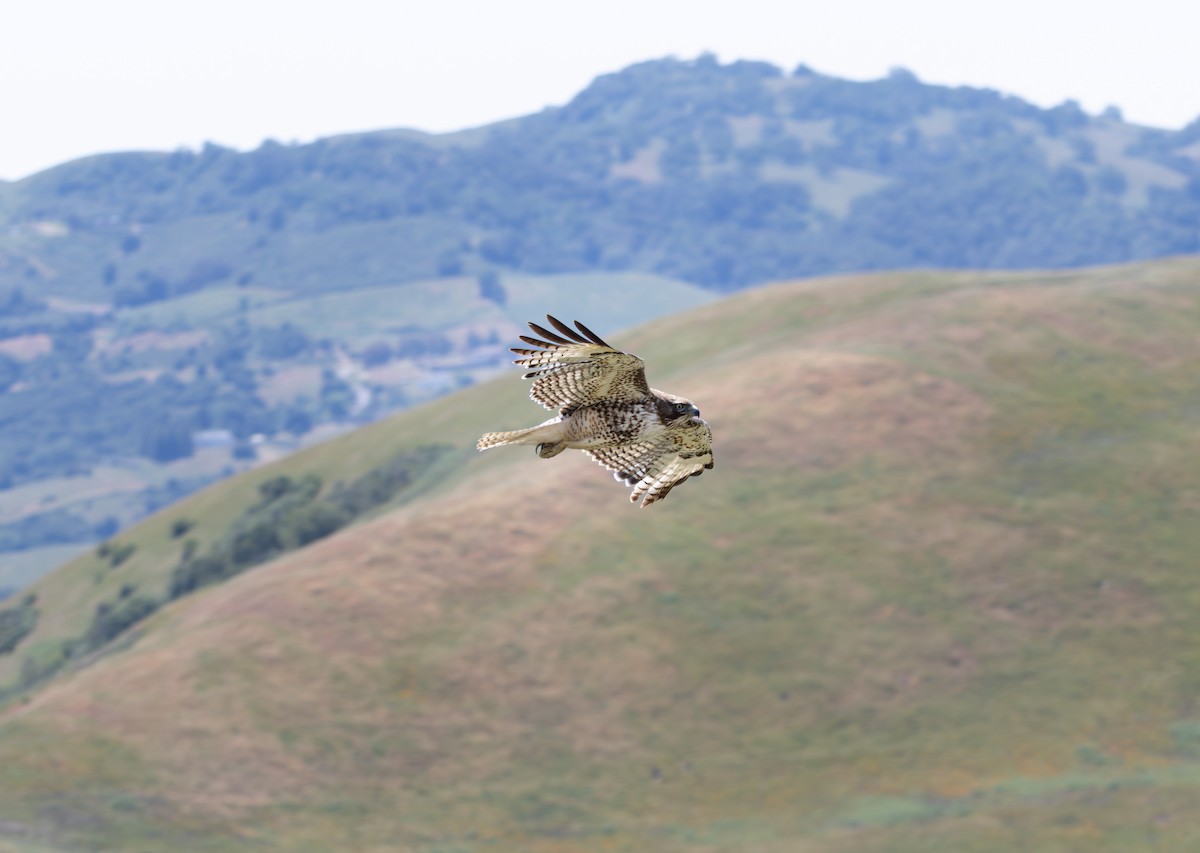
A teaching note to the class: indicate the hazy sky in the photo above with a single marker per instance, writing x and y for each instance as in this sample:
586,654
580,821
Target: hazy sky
79,77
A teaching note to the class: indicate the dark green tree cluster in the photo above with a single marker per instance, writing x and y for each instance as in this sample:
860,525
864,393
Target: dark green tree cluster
292,512
110,619
52,527
113,618
280,342
150,287
16,623
167,440
115,553
16,303
336,396
10,371
68,419
491,288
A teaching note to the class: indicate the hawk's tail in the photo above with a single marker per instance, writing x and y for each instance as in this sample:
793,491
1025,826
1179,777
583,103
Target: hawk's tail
547,433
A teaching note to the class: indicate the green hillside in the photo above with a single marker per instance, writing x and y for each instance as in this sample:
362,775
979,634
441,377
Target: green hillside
937,594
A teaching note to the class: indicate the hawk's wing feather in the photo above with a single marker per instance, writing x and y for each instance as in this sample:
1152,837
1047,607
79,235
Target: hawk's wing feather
630,462
577,368
589,337
654,468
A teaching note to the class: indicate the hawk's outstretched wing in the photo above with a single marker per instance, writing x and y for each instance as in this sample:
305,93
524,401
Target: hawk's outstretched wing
576,368
654,468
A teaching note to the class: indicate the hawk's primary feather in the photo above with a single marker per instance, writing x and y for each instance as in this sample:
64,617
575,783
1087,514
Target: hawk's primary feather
579,370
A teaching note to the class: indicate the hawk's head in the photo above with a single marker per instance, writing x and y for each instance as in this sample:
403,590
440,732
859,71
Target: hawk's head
672,408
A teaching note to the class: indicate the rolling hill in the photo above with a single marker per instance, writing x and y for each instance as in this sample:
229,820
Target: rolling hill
938,593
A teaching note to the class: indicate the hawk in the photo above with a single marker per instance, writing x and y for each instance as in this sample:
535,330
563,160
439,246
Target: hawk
649,440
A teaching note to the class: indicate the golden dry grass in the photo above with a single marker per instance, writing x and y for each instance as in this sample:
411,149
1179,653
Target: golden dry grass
938,593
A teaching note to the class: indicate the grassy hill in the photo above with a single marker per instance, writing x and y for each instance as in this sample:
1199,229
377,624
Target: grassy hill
938,593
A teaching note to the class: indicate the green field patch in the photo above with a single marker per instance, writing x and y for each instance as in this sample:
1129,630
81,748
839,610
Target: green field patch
359,314
204,308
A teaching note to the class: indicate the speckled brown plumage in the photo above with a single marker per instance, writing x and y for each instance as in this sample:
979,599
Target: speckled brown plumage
650,440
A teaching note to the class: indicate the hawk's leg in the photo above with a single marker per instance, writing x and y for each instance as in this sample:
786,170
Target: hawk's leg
547,450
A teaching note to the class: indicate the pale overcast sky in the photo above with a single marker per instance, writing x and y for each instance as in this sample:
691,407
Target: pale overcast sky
79,77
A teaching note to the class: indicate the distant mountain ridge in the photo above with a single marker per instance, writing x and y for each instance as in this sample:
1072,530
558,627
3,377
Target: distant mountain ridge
725,175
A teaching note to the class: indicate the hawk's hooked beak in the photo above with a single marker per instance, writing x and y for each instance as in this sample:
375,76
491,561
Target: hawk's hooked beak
695,411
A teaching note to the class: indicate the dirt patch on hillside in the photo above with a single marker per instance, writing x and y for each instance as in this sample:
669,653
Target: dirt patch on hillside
959,331
27,347
240,686
144,341
824,408
289,383
1133,325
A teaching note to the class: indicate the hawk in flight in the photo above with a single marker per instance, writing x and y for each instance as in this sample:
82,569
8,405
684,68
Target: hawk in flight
650,440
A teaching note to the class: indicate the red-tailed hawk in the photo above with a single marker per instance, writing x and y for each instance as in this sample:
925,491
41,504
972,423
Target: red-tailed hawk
650,440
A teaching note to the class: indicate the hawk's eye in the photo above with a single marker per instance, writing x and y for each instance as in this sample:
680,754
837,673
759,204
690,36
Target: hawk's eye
681,407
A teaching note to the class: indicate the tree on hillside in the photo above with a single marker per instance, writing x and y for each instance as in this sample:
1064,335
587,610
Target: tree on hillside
491,289
280,342
10,371
167,441
17,304
17,623
449,263
377,353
